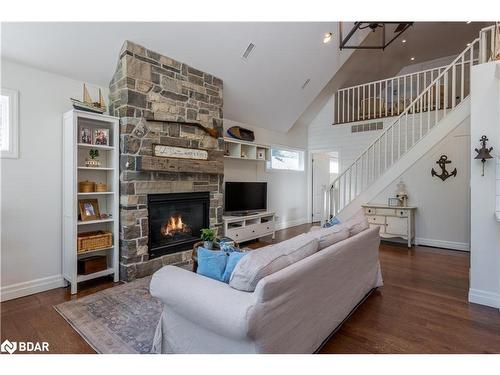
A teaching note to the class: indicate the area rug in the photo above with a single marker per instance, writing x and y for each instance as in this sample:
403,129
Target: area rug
118,320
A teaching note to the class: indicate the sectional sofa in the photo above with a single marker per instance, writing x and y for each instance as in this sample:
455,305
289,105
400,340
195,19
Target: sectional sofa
283,298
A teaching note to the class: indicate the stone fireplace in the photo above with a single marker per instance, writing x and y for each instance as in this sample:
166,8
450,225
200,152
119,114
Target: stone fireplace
161,101
175,221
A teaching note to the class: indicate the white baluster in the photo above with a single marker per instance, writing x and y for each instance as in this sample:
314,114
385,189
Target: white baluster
462,78
453,86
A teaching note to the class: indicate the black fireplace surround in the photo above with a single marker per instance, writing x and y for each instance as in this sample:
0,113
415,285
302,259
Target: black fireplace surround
175,221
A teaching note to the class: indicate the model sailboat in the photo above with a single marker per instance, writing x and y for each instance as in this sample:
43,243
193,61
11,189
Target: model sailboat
87,104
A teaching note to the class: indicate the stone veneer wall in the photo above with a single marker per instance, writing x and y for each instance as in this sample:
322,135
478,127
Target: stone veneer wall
148,86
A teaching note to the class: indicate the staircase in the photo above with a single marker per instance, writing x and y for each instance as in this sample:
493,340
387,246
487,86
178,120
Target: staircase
428,106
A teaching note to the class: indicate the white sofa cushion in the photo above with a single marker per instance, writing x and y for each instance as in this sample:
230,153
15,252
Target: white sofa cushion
329,236
270,259
355,224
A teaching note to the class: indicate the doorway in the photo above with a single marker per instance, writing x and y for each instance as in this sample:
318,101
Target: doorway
325,168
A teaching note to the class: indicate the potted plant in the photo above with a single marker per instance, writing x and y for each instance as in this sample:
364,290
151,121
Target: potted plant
93,162
208,236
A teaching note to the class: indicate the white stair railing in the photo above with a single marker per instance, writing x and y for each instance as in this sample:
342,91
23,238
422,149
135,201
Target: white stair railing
390,97
447,89
383,98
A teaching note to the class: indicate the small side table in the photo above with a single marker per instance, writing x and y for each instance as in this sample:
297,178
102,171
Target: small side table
393,221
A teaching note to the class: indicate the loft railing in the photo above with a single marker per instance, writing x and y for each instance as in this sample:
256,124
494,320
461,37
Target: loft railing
447,89
390,97
383,98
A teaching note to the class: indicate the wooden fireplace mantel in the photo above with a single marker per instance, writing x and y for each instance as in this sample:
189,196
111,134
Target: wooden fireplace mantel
160,164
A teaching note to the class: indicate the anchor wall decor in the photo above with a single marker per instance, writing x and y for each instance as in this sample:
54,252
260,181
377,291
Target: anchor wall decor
443,160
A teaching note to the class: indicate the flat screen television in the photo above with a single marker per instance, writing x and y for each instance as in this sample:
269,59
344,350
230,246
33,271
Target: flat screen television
242,198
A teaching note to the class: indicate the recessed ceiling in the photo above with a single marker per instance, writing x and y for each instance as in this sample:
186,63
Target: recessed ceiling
264,90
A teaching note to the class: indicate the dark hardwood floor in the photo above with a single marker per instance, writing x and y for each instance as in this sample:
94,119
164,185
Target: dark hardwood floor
422,308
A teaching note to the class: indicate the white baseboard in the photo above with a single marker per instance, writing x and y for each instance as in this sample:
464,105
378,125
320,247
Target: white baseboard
30,287
443,244
483,297
290,223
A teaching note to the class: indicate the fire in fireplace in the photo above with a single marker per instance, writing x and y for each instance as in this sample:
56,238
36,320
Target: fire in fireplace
175,221
175,227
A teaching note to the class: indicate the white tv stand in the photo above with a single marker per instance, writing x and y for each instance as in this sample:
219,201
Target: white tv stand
249,227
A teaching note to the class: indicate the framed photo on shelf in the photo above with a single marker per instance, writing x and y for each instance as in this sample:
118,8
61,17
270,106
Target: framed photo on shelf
393,202
85,136
101,137
89,209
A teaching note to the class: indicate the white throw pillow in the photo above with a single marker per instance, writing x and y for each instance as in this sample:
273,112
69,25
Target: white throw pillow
265,261
329,236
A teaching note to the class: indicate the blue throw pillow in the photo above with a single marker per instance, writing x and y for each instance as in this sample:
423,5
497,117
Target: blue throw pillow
211,263
232,260
330,223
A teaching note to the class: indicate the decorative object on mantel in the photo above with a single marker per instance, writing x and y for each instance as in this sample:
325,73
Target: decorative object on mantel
211,132
241,133
89,209
402,194
86,187
483,153
443,160
176,152
87,104
208,236
93,162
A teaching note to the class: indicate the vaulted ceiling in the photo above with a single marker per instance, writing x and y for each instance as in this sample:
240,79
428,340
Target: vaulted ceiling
265,90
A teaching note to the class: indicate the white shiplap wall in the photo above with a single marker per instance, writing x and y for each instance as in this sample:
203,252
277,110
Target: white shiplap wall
435,225
323,136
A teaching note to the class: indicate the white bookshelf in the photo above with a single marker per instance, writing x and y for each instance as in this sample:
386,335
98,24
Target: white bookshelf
75,171
241,150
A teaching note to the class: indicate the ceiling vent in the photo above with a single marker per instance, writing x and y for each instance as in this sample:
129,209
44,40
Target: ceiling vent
306,83
248,51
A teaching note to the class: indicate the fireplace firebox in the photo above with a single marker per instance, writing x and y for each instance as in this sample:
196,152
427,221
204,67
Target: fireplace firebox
175,221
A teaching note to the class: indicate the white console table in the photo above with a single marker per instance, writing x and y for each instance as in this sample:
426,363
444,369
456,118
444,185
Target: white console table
393,221
250,227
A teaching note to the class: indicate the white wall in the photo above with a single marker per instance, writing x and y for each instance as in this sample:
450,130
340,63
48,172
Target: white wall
31,185
323,136
434,199
425,65
485,231
287,190
442,217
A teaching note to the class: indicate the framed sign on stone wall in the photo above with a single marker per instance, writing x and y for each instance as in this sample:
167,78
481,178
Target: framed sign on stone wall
176,152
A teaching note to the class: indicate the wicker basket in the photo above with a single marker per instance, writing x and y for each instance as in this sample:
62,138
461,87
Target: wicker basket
86,187
101,188
97,240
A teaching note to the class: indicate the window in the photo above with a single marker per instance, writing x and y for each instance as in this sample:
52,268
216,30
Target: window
286,159
334,165
8,123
